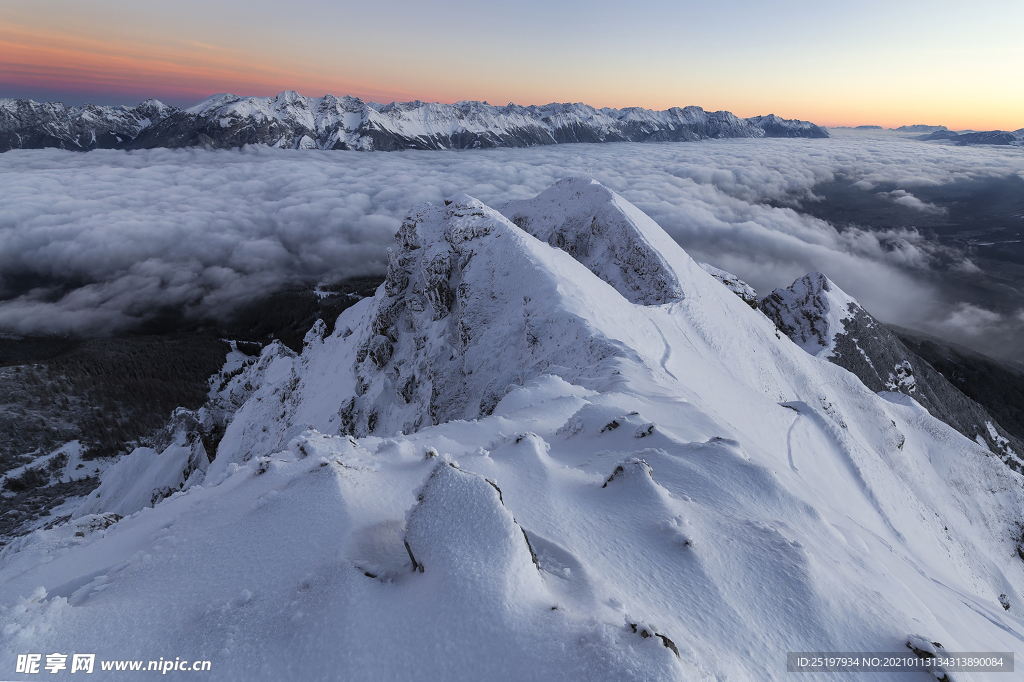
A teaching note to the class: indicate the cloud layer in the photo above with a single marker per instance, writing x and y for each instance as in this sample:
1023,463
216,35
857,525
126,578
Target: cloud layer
94,243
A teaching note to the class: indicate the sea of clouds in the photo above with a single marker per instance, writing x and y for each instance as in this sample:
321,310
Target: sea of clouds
94,243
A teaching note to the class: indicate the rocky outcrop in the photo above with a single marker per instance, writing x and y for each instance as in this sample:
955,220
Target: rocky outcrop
827,322
733,284
421,361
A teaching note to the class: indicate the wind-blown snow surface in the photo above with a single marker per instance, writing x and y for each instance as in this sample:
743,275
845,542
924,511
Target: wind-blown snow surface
575,470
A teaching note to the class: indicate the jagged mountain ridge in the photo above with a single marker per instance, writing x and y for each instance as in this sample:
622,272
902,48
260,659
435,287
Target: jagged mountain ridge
829,323
292,121
25,124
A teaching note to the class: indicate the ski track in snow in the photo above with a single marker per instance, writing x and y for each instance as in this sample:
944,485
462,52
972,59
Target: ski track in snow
789,444
666,357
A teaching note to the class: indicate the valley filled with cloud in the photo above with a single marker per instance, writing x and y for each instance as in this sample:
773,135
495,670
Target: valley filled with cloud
100,242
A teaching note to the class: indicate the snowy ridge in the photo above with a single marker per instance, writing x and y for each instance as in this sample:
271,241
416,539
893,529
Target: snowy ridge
733,284
292,121
616,242
596,489
464,281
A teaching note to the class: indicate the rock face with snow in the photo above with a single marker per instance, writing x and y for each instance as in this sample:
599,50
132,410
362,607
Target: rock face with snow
997,137
607,234
25,124
465,280
825,321
776,126
810,311
733,284
920,128
292,121
506,465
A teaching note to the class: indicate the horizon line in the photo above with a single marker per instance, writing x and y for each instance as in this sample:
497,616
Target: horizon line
367,101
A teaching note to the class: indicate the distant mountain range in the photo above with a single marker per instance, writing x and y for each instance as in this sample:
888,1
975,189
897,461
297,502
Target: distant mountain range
292,121
999,137
962,138
920,128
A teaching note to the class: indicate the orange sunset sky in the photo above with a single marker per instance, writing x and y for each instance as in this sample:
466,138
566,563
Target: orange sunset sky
887,64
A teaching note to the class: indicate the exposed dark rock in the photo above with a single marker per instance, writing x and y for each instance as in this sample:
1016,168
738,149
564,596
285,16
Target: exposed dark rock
733,284
997,386
646,632
380,351
644,431
628,468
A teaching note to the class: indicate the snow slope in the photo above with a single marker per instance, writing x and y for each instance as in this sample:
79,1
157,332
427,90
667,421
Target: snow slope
501,467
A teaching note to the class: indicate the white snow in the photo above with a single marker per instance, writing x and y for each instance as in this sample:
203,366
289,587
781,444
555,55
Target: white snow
139,480
676,469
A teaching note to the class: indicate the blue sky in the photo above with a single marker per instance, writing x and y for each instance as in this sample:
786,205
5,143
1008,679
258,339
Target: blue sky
880,63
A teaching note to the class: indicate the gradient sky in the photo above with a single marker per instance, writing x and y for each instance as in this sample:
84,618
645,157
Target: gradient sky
886,63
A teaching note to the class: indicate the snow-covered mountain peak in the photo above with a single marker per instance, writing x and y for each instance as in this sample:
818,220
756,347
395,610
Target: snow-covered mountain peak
465,281
811,312
616,241
212,102
462,282
27,124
